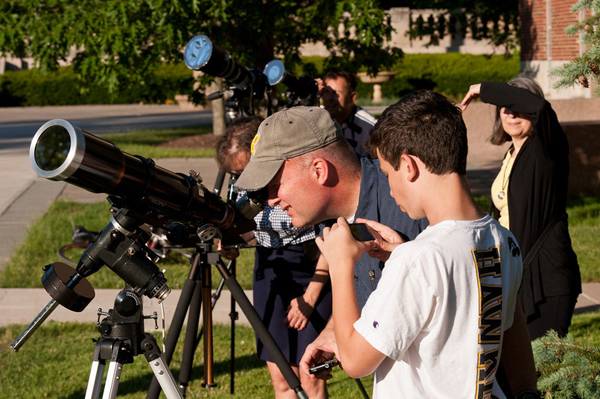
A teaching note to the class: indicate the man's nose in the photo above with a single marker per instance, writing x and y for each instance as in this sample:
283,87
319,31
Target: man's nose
273,199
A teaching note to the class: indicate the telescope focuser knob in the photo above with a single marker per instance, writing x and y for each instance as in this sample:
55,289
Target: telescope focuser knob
100,313
153,316
196,176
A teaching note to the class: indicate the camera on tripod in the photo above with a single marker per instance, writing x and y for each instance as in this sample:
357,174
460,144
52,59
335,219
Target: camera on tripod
302,90
201,54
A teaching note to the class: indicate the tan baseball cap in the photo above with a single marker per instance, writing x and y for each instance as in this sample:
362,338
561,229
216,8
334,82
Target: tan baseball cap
284,135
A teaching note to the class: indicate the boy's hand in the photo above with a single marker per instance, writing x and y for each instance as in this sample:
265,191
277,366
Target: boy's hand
338,245
320,350
386,239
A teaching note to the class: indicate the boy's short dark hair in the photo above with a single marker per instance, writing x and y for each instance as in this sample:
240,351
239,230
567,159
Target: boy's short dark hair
349,77
424,124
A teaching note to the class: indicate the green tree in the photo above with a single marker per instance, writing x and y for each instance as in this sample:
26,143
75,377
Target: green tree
587,65
120,42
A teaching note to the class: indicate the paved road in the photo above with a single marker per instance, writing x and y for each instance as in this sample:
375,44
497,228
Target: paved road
18,125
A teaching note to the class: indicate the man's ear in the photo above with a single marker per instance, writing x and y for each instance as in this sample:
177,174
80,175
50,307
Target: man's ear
411,166
320,170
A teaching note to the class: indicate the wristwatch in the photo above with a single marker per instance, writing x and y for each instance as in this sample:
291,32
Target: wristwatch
528,394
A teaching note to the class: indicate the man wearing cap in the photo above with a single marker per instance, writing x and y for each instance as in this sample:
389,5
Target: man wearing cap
314,175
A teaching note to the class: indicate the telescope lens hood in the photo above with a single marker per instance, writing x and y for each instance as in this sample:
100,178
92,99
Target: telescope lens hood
197,52
57,149
275,72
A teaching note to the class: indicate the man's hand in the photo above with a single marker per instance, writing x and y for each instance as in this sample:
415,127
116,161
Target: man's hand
229,254
319,351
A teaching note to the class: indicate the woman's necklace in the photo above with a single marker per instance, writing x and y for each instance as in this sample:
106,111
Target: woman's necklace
505,178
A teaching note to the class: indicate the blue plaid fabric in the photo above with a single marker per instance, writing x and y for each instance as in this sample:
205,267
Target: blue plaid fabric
274,228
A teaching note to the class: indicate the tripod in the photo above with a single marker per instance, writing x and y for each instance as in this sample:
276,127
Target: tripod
122,338
191,298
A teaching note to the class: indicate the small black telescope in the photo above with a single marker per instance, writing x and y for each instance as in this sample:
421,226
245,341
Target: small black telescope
201,54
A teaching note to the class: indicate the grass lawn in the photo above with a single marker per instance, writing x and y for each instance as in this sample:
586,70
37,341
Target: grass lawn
144,142
56,362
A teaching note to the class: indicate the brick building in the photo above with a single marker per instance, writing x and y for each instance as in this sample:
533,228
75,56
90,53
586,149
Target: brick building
545,45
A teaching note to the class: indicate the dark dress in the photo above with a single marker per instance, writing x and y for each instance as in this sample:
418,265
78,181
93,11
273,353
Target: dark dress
280,275
537,198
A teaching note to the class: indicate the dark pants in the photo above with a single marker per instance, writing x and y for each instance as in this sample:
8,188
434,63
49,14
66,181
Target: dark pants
554,313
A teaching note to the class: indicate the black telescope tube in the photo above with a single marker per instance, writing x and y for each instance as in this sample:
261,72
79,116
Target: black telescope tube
201,54
62,151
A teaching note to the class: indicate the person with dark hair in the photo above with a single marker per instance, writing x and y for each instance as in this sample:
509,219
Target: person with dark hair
338,92
292,297
311,171
530,193
445,313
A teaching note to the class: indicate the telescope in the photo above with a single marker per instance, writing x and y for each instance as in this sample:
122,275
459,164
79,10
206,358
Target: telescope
302,90
141,194
62,151
201,54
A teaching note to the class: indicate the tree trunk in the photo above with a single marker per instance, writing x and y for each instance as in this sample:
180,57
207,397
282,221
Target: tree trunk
218,108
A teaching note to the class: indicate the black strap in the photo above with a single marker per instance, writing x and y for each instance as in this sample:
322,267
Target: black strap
541,240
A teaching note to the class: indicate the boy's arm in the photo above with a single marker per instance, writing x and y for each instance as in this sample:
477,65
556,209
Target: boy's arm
517,355
341,250
357,356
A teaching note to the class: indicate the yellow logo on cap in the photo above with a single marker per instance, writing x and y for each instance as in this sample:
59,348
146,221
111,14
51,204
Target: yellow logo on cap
254,141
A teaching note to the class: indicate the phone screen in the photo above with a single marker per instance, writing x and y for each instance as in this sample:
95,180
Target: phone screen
361,232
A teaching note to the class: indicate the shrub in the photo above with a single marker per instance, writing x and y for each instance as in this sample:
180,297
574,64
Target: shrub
63,87
450,74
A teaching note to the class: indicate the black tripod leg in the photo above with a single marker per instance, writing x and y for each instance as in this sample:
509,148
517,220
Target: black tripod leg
178,318
362,388
262,332
233,315
189,345
207,325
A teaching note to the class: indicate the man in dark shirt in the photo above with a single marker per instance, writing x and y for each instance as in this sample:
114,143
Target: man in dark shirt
338,92
311,171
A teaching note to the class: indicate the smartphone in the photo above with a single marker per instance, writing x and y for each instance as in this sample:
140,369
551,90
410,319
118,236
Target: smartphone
323,366
361,232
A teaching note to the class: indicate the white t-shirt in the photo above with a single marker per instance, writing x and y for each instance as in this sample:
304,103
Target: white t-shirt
439,311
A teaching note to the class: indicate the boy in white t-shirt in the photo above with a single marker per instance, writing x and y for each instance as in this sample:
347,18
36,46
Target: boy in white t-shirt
445,317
